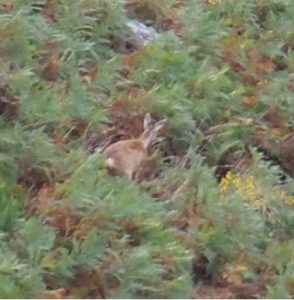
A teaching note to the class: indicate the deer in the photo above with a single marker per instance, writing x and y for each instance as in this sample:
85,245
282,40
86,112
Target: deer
125,157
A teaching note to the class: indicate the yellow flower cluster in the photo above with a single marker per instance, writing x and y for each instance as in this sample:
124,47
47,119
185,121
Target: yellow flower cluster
214,2
288,200
245,186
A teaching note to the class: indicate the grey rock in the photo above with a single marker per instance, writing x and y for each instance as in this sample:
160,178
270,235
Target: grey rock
139,35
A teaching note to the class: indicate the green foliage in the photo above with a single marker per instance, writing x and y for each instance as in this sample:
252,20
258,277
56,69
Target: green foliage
62,68
10,210
20,272
37,238
117,203
200,34
281,290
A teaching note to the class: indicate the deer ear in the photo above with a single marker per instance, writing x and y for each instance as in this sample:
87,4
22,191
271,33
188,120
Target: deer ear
160,124
147,121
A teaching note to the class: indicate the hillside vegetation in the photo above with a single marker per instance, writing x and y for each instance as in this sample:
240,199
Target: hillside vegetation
212,214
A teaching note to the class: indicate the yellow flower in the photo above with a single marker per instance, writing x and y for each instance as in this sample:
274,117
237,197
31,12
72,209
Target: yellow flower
214,2
290,200
245,186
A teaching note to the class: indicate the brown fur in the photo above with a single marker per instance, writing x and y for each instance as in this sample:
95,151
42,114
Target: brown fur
125,157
